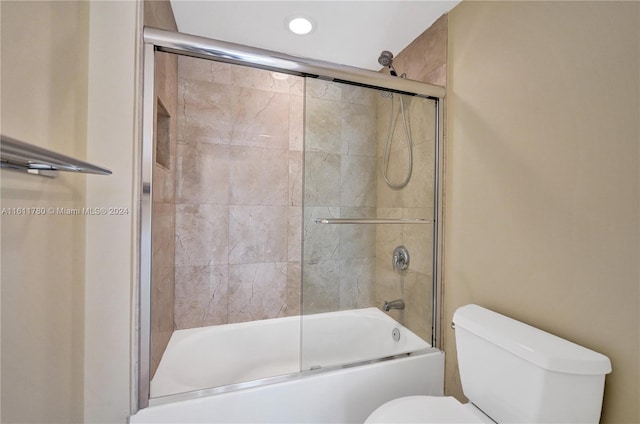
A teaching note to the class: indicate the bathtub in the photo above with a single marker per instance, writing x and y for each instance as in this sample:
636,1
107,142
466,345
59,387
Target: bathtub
334,367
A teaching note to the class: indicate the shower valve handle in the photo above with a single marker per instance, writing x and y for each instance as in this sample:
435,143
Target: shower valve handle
400,260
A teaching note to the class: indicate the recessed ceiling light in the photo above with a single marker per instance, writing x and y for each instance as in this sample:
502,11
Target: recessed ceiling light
300,25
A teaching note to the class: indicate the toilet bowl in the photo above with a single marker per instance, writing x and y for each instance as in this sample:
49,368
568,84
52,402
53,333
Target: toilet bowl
427,409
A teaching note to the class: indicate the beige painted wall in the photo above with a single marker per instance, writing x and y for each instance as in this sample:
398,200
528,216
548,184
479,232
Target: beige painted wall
69,84
542,182
111,252
44,99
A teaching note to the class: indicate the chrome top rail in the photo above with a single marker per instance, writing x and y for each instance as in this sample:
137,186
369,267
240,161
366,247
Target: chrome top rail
370,221
20,156
192,45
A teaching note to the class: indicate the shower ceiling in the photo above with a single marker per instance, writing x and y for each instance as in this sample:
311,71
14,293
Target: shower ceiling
347,32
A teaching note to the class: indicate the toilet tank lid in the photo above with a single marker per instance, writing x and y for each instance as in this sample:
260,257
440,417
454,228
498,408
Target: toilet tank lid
532,344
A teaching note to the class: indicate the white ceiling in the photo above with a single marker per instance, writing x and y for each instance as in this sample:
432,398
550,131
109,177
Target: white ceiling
347,32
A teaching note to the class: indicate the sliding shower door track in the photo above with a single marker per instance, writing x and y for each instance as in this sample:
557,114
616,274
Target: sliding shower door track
277,379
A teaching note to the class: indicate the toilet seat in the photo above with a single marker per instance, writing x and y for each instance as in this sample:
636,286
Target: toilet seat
426,409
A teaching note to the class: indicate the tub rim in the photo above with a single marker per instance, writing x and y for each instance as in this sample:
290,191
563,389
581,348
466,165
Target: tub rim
178,386
266,381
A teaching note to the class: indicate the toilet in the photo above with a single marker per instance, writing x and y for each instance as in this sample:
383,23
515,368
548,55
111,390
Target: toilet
511,373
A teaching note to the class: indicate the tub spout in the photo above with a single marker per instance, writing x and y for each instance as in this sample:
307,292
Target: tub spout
394,304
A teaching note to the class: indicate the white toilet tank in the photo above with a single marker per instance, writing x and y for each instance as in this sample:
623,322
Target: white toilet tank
516,373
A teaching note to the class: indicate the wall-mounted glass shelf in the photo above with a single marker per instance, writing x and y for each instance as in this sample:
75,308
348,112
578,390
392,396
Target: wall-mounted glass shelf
20,156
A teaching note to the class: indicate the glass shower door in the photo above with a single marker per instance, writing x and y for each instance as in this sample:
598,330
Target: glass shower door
227,217
354,220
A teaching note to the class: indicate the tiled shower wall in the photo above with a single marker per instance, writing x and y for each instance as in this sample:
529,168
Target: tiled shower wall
164,220
239,202
238,207
425,59
414,285
340,181
159,15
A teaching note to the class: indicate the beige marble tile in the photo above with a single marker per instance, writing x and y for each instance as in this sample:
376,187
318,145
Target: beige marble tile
388,286
158,14
258,176
357,278
321,241
322,179
204,115
162,231
203,126
294,289
386,103
426,53
420,114
418,289
296,85
162,278
418,193
357,240
321,286
323,125
164,183
296,122
259,118
388,236
294,234
358,95
202,235
167,93
259,79
398,159
257,291
358,181
438,76
398,163
359,130
162,301
257,234
321,89
201,296
414,213
203,174
194,69
166,81
386,197
418,239
163,186
295,178
390,212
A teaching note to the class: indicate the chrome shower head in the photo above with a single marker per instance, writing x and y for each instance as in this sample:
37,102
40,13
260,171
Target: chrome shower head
386,58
